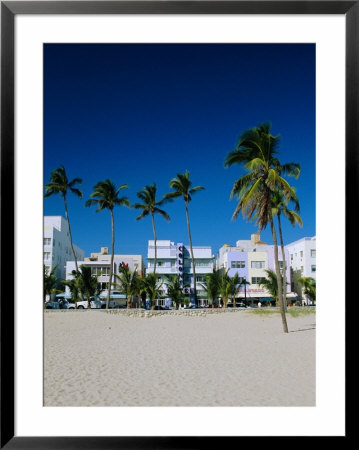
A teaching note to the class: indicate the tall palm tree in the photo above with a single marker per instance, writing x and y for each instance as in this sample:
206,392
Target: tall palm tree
150,206
257,150
105,196
128,282
279,207
59,184
182,188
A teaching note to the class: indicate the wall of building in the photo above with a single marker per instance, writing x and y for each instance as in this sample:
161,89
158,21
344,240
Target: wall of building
57,248
302,260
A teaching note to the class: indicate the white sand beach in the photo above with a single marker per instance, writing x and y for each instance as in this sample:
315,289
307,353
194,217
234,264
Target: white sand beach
234,358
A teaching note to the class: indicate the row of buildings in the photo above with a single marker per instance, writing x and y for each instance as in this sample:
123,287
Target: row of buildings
248,258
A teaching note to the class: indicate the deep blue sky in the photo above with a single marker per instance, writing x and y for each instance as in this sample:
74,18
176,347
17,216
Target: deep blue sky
139,114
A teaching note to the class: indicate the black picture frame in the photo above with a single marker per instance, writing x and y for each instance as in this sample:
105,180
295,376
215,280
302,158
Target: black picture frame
9,9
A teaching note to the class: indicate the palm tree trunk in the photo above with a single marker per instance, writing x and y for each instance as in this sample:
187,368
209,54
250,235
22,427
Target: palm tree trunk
279,277
284,263
155,238
112,257
193,265
70,235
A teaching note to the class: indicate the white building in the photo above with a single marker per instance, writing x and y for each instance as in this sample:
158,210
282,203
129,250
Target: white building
57,247
302,260
175,259
100,266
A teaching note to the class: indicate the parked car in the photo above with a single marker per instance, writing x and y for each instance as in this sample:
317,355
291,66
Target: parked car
95,303
59,303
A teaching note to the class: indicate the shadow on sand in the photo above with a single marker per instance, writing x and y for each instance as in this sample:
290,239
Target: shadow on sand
310,327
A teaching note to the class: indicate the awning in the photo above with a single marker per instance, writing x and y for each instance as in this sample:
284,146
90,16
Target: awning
63,295
104,295
250,295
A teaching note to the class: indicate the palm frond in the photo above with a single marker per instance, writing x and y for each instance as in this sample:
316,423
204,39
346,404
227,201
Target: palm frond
162,213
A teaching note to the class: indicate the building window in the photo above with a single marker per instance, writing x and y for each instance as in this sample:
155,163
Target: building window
238,264
301,269
291,257
301,254
47,241
314,267
158,263
201,263
313,253
257,280
200,278
46,256
53,242
257,264
100,270
281,264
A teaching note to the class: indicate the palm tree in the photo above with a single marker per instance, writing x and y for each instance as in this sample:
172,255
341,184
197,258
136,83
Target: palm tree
235,284
257,150
212,286
151,206
271,284
50,282
279,207
73,286
59,184
182,188
152,286
87,283
174,290
309,287
128,282
225,287
105,196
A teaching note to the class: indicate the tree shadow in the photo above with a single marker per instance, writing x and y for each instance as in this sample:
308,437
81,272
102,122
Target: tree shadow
310,327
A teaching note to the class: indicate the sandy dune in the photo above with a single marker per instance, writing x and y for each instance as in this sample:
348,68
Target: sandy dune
97,358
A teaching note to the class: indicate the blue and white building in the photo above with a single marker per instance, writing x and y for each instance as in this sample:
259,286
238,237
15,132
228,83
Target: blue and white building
175,259
250,259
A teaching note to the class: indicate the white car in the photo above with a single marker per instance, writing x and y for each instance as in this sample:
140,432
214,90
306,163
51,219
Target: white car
59,304
95,304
